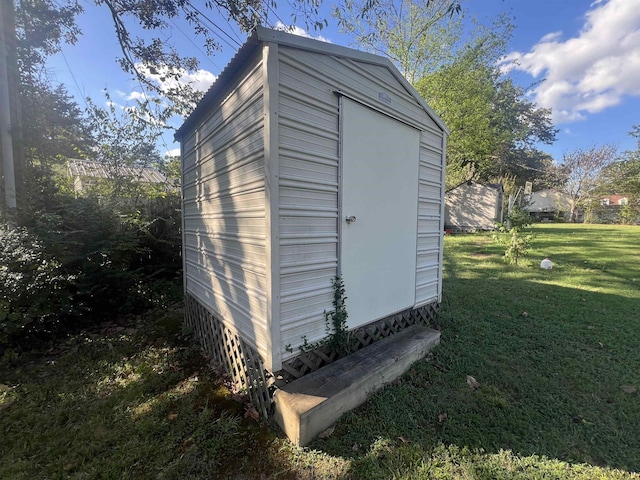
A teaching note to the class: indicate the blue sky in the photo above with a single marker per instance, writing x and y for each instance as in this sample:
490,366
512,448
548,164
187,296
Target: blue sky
584,54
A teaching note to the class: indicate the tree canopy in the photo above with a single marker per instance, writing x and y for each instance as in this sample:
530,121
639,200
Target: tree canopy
494,127
623,177
583,167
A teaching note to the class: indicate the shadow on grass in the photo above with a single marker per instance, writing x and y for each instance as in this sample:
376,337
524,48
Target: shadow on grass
558,372
138,405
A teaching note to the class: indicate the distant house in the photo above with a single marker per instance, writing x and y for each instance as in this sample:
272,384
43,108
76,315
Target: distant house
473,206
610,209
547,205
87,174
611,200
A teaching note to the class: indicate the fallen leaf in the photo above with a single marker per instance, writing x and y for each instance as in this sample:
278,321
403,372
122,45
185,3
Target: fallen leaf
327,433
629,389
187,443
252,413
172,416
473,383
442,417
237,397
6,404
525,314
601,344
403,439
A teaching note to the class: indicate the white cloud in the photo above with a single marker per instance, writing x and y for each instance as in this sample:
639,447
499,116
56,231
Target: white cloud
174,152
299,31
591,71
167,78
136,96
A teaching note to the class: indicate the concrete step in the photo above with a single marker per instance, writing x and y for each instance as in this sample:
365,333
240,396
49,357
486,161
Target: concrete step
311,404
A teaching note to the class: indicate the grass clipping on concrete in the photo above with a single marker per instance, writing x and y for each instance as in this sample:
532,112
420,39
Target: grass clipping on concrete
537,376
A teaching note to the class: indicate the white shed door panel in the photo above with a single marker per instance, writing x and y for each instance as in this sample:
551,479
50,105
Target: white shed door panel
380,161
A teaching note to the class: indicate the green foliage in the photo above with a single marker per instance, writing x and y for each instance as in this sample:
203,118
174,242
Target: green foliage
42,26
416,36
35,291
584,167
628,214
493,125
515,234
337,338
78,260
336,319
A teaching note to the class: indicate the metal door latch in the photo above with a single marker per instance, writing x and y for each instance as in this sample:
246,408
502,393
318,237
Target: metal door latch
350,218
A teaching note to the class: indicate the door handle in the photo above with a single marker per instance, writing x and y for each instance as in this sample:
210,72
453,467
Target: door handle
350,218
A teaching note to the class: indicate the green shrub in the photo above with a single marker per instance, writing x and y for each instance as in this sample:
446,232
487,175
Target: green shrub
515,234
74,261
35,291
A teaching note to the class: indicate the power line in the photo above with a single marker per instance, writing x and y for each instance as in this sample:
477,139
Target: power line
84,98
208,57
237,43
276,14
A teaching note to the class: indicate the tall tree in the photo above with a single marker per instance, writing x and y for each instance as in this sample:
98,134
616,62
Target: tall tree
416,35
494,128
583,167
623,177
124,138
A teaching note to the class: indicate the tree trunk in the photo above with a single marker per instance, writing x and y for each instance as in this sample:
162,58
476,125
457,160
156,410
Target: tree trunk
572,212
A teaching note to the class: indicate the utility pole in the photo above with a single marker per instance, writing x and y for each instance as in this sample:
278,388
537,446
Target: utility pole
7,28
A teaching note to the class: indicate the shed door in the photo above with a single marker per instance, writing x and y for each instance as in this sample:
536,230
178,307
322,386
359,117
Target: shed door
380,161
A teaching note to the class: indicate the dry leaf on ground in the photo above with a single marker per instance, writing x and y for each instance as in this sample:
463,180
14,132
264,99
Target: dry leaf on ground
473,383
327,433
252,413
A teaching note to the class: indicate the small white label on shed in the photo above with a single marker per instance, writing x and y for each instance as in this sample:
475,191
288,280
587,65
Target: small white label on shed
384,97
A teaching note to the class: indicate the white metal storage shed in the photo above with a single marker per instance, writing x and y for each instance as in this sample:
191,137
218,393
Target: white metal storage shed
473,206
307,160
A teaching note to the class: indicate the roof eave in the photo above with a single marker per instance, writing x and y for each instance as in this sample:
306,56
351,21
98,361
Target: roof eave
266,35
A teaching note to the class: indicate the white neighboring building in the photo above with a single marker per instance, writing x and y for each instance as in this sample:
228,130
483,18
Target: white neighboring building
546,205
472,206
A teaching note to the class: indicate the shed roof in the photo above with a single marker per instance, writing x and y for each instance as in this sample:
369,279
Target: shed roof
262,35
548,200
495,186
90,168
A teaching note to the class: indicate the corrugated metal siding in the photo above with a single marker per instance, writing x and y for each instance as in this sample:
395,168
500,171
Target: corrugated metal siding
308,197
224,209
428,268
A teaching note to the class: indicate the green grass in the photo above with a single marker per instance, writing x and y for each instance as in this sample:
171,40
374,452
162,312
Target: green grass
552,351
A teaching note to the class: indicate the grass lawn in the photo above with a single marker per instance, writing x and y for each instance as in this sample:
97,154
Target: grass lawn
555,354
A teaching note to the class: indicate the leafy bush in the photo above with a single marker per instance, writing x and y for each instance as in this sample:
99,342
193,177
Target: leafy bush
35,291
79,260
